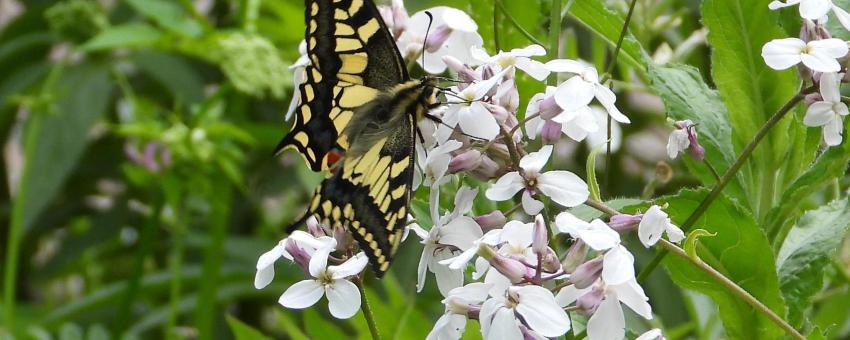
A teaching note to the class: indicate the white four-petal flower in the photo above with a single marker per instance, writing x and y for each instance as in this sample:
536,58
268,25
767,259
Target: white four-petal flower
519,58
343,295
829,112
654,223
818,55
531,306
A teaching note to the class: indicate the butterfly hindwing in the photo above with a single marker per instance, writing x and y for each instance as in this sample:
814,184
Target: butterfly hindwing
353,58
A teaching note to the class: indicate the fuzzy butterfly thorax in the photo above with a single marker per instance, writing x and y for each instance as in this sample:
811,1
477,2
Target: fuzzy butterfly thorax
358,100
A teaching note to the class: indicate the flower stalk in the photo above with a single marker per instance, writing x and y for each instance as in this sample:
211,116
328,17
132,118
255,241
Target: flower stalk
367,310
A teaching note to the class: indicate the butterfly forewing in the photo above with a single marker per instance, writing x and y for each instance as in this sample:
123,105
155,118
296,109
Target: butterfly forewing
353,58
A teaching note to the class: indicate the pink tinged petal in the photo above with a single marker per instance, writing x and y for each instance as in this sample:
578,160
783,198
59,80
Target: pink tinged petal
447,279
819,114
677,142
814,9
538,308
569,294
551,132
505,187
565,65
779,4
608,323
350,267
533,68
607,99
652,225
832,132
819,62
302,294
564,187
829,87
478,122
505,326
843,17
422,268
343,299
574,94
618,266
461,232
781,54
631,294
535,161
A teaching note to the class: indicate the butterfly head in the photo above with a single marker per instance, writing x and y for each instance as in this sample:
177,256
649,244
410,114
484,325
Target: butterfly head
430,92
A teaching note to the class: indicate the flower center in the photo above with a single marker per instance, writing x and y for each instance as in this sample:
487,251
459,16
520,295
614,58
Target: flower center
325,278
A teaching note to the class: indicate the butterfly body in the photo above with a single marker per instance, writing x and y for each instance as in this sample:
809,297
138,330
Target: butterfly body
358,101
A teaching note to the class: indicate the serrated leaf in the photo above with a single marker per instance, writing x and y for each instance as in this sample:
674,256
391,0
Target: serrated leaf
121,36
242,331
807,252
741,252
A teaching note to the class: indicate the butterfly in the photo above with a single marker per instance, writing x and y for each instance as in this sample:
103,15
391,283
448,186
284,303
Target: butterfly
358,103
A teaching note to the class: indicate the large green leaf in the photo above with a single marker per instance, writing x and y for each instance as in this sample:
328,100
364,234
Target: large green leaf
122,36
241,331
737,30
56,139
741,252
607,25
687,96
167,14
807,252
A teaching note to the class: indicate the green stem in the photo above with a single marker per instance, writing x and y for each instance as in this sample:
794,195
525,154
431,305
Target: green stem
146,244
252,10
367,310
729,174
733,288
496,4
554,34
613,61
175,262
219,220
516,24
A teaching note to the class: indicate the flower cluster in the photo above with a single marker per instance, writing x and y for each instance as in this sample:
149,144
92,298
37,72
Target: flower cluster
820,58
521,272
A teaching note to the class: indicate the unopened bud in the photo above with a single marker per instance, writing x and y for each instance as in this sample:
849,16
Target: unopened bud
812,98
551,263
493,220
437,38
589,302
487,169
551,132
499,112
549,108
575,256
624,222
512,269
465,161
540,240
587,273
400,17
314,228
463,71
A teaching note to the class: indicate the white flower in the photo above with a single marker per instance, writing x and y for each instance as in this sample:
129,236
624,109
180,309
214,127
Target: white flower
617,262
677,142
828,113
453,33
655,222
452,324
552,118
818,55
652,334
452,233
303,241
343,296
531,306
564,187
518,58
815,9
515,242
470,114
576,93
608,322
299,69
435,165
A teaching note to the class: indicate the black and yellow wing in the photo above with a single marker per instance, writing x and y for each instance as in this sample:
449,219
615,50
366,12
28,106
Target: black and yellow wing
353,58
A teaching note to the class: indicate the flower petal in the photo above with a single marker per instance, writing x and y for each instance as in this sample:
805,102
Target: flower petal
302,294
829,87
599,236
505,187
504,326
631,294
607,98
530,205
569,223
564,187
535,161
574,94
608,323
566,65
461,233
843,17
781,54
350,267
819,114
422,268
569,294
832,132
652,225
533,68
814,9
618,266
447,278
478,122
820,62
540,311
343,299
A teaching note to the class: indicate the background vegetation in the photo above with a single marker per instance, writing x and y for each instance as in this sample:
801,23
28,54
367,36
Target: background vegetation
140,185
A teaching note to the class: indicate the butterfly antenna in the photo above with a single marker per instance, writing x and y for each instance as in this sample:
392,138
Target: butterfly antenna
427,31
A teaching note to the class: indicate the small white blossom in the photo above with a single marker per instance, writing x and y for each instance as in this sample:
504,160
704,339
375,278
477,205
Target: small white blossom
516,58
655,222
617,262
652,334
829,112
303,241
533,307
608,321
453,33
818,55
343,295
470,114
815,9
577,92
564,187
458,301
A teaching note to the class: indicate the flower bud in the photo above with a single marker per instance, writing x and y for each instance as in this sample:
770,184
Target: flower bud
437,38
463,71
551,263
487,169
551,132
540,240
589,302
465,161
492,220
812,98
512,269
624,222
499,112
400,17
549,108
694,148
575,256
587,273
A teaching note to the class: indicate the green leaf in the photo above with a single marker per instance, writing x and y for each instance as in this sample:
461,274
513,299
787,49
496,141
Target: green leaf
592,184
607,25
318,327
687,96
167,14
753,92
55,140
241,331
807,252
127,35
833,26
690,243
741,252
173,73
